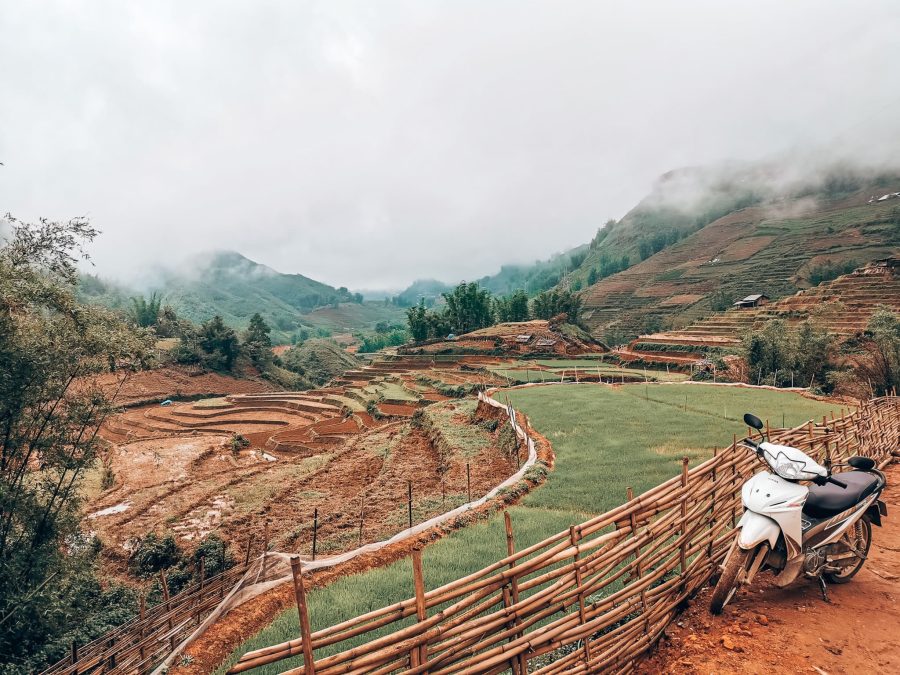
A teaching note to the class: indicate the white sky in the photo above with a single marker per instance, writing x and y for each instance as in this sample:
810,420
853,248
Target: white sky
369,144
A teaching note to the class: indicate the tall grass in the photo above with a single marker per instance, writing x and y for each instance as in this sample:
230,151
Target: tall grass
605,440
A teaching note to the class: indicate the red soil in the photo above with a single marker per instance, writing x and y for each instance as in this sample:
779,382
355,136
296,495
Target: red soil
767,629
244,621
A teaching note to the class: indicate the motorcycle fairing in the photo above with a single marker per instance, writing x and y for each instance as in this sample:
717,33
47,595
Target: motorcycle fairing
780,501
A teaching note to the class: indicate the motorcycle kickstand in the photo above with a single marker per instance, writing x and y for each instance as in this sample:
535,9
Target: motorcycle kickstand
824,589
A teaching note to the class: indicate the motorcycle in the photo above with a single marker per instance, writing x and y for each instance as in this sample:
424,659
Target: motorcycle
822,530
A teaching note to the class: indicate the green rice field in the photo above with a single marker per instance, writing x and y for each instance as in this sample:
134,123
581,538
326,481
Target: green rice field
605,439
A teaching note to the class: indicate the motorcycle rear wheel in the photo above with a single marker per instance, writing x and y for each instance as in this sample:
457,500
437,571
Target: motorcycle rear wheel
858,537
732,576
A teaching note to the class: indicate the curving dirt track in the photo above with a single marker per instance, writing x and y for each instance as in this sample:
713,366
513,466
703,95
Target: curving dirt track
767,629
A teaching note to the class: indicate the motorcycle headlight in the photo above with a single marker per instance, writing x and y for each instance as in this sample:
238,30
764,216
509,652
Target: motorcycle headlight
790,470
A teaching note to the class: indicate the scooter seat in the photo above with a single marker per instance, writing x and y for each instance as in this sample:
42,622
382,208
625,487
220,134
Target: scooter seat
829,500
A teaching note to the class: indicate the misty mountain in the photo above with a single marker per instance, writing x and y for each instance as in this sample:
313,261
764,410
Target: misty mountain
228,284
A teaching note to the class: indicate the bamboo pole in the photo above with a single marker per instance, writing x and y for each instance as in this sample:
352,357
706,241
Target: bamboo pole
419,655
520,664
579,584
305,632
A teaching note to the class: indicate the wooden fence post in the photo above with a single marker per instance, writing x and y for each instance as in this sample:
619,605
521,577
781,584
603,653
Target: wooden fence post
200,592
409,501
305,632
469,481
315,531
165,591
712,508
573,540
511,595
247,554
419,655
682,552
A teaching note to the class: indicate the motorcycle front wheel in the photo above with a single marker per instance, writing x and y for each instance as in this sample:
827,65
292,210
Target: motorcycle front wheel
733,575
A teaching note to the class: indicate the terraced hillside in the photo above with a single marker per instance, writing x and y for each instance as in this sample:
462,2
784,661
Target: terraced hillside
761,249
845,304
523,338
347,448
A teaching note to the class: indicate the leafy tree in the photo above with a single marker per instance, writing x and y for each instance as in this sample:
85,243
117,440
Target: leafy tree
416,317
550,304
781,354
51,409
879,365
720,300
257,343
144,312
219,344
468,308
438,324
593,276
512,307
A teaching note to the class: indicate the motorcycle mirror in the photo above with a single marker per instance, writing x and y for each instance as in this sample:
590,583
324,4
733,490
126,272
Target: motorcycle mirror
753,421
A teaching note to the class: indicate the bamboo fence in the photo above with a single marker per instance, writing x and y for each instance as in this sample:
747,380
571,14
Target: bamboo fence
593,598
138,645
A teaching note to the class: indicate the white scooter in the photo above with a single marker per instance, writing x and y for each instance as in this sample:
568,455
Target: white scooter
822,530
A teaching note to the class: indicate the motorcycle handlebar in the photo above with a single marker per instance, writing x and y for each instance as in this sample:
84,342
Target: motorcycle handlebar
840,484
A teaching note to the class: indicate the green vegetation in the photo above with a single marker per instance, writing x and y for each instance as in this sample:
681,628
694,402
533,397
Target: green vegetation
666,347
469,307
318,361
550,304
50,591
551,369
234,288
605,440
876,365
787,356
830,270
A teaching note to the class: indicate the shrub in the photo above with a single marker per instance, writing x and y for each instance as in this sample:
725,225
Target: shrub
153,554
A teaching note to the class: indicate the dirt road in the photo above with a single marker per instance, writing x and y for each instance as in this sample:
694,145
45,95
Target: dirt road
767,629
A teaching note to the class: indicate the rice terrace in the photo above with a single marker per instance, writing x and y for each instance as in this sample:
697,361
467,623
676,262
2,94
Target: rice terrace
443,338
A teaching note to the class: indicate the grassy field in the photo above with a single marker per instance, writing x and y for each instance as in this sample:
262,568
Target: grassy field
522,373
605,440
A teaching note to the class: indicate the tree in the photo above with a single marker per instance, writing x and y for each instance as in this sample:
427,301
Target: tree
219,344
257,343
593,276
51,409
468,308
416,317
550,304
780,354
879,364
518,306
145,313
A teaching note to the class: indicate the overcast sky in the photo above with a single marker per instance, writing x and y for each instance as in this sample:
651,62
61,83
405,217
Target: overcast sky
367,144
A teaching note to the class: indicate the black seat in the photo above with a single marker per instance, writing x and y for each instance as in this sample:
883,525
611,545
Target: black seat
829,500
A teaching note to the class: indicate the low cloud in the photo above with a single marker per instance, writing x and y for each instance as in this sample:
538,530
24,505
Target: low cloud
367,145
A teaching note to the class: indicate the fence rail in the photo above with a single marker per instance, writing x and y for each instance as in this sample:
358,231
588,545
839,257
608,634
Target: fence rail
592,598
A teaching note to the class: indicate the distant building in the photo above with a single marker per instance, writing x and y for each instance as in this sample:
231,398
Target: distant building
752,301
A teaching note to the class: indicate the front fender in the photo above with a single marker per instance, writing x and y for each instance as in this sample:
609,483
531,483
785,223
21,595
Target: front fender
755,529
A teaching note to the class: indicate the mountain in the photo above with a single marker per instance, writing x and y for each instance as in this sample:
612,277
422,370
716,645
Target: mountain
533,278
234,287
706,242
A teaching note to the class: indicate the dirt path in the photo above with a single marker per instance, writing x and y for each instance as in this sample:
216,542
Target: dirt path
767,629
